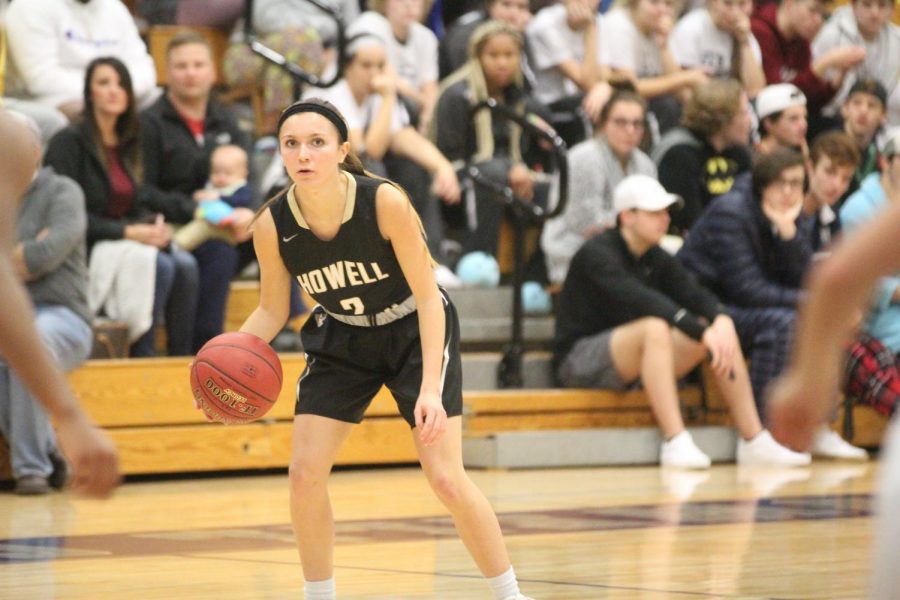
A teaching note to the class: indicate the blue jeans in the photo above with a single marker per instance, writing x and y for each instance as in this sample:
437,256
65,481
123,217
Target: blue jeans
218,263
23,421
175,301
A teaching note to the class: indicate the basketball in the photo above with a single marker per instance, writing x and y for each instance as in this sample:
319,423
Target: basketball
236,378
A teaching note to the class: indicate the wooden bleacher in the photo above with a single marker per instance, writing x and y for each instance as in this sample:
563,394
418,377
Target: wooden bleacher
145,406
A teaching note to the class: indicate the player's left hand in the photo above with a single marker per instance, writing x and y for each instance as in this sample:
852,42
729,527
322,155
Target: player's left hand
431,418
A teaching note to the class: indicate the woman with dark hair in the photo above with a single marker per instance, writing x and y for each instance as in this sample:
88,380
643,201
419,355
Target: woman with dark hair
596,167
103,155
356,244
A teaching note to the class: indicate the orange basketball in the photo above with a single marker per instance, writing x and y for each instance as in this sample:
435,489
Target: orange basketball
236,378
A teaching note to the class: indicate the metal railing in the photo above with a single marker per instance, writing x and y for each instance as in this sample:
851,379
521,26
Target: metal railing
522,213
299,76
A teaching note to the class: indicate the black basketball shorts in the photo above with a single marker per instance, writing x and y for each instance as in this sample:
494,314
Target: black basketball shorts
348,364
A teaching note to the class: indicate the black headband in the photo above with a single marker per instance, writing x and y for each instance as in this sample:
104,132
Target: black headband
329,113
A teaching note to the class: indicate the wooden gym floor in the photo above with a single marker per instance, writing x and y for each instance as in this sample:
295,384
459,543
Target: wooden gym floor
638,532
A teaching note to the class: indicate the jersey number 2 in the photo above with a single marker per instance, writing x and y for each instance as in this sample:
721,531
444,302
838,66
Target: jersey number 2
354,304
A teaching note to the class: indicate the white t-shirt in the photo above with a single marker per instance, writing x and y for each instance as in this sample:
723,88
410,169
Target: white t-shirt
697,42
625,47
51,43
552,43
358,116
882,59
416,60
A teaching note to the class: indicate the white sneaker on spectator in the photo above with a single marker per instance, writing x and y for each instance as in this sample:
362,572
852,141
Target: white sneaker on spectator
682,453
764,450
828,444
446,278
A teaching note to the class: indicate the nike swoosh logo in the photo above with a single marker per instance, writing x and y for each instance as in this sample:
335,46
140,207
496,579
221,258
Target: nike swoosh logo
287,239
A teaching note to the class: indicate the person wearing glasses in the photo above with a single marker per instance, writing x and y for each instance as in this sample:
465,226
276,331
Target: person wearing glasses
752,248
596,167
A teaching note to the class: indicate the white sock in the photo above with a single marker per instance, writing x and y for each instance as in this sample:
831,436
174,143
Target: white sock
320,590
504,585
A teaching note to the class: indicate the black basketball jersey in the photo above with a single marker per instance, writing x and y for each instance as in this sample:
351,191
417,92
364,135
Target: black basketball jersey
356,272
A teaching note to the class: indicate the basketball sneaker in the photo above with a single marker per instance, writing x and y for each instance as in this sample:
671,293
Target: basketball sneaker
519,596
828,444
681,453
764,450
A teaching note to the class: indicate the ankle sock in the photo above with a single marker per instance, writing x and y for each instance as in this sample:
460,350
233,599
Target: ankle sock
505,584
320,590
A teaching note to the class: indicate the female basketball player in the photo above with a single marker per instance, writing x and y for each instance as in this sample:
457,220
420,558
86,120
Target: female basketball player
356,245
801,400
92,458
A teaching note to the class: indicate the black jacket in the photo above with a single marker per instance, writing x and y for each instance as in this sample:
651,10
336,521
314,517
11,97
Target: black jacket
607,286
175,166
72,152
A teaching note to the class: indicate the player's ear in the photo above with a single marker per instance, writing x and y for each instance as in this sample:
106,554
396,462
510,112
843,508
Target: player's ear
345,150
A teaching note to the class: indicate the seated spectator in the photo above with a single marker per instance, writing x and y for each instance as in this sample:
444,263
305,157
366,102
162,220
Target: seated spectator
299,31
226,190
564,40
453,49
382,136
179,132
871,374
700,159
752,248
781,108
833,158
51,43
784,31
596,167
102,153
629,312
865,24
500,151
49,259
879,384
48,119
411,53
717,39
863,113
635,44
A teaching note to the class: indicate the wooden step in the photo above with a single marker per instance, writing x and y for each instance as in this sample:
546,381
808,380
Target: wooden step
146,406
517,410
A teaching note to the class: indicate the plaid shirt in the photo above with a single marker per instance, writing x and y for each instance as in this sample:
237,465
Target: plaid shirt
871,374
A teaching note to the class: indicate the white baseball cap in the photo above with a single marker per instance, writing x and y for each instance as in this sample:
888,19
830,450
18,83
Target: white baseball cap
778,97
892,146
642,192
